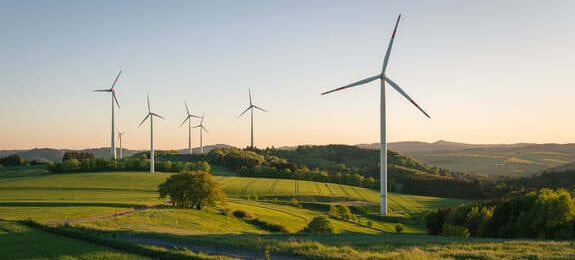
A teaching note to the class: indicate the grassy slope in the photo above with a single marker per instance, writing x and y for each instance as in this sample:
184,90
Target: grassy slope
519,161
212,227
16,241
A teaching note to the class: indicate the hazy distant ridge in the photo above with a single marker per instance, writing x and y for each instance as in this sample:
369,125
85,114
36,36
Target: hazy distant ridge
55,155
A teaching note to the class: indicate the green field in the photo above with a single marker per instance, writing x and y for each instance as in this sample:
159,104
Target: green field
21,242
518,162
92,199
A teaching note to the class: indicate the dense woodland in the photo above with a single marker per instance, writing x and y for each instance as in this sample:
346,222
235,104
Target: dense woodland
545,213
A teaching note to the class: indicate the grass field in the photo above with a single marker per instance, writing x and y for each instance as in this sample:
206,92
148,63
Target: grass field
21,242
519,162
31,194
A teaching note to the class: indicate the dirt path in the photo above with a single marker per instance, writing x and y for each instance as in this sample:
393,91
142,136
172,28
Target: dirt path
210,250
106,216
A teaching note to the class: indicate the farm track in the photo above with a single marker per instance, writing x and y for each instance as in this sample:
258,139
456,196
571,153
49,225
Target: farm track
210,250
105,216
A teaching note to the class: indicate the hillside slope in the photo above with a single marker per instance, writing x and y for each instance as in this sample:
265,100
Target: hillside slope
498,160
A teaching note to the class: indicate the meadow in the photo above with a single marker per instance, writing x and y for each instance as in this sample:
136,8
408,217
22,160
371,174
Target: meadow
82,198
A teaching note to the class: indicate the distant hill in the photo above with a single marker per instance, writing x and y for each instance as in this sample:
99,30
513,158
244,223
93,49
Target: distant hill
55,155
492,159
405,174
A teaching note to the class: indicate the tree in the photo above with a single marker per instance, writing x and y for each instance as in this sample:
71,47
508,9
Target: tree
321,225
12,160
191,189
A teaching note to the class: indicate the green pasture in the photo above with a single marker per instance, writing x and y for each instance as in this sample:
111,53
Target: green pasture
21,242
519,162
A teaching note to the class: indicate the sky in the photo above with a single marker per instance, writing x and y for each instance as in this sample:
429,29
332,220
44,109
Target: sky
486,71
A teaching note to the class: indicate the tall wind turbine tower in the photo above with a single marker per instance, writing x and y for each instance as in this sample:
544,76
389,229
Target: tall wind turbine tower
114,100
383,152
151,116
120,139
251,109
189,119
202,128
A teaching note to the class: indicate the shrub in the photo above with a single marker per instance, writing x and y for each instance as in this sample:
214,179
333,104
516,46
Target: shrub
320,225
456,231
398,228
243,214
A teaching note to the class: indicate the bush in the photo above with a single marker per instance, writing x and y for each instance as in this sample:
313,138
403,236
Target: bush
398,228
243,214
271,227
320,225
456,231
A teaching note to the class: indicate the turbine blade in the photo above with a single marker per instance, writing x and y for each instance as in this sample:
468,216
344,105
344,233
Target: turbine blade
250,92
396,87
149,109
195,116
361,82
254,106
103,90
114,84
187,110
388,52
148,115
115,98
187,118
205,129
245,111
154,114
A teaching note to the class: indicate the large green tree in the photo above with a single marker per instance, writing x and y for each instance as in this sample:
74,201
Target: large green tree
191,189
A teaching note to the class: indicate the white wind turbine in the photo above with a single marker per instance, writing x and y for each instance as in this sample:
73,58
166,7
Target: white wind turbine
114,100
251,108
151,116
120,134
189,119
202,128
383,152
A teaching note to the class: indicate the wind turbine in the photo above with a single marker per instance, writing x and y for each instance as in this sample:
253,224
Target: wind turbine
120,138
383,152
251,108
202,128
189,119
151,116
114,100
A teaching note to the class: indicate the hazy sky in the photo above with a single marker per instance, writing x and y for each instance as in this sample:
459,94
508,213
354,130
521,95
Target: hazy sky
486,71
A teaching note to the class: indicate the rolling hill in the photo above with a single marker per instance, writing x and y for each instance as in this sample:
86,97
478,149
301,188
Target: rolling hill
494,159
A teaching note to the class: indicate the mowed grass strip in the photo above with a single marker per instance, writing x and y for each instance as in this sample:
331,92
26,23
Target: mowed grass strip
21,242
175,221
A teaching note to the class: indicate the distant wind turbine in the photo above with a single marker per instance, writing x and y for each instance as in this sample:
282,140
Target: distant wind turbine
189,119
383,152
114,100
202,128
251,108
120,138
151,116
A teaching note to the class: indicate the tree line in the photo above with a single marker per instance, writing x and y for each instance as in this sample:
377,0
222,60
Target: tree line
83,162
545,213
17,160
